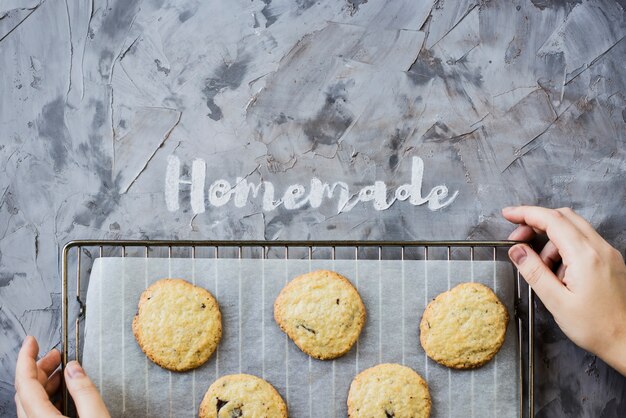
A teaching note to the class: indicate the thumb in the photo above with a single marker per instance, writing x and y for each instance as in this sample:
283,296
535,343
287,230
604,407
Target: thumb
84,393
542,280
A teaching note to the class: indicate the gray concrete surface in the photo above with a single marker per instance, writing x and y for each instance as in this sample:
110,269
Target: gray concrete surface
506,102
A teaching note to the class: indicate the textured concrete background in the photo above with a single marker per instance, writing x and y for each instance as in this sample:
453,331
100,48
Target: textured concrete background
506,101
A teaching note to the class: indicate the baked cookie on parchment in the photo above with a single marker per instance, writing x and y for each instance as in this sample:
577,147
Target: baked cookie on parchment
464,327
321,312
242,395
388,390
177,325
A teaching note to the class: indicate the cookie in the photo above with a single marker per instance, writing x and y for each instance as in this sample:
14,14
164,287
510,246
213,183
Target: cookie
177,325
321,312
242,395
464,327
388,390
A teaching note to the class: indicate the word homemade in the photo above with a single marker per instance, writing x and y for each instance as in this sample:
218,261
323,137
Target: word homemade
295,196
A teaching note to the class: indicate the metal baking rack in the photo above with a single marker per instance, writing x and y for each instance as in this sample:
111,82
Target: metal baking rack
78,256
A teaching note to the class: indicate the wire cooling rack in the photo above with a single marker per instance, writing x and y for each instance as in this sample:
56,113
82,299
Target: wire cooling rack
78,257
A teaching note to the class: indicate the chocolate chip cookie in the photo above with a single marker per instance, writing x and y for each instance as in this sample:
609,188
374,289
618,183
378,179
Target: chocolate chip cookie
464,327
242,395
177,325
321,312
388,390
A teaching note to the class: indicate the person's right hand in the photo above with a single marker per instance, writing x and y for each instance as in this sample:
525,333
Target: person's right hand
587,294
36,381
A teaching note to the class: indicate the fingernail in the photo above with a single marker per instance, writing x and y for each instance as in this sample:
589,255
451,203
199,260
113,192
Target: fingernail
74,370
506,209
27,340
517,254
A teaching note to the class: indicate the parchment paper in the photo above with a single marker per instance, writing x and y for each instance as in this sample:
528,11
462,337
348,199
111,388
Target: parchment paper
394,292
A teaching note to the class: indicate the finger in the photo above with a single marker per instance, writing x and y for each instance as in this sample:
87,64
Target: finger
53,384
581,223
564,234
560,273
49,362
18,408
84,393
550,255
26,365
33,396
549,289
522,233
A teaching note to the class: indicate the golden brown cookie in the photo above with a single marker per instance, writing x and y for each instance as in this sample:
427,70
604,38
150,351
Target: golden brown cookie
388,390
177,325
321,312
242,395
464,327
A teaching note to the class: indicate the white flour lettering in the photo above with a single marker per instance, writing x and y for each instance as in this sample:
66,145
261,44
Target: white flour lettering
295,196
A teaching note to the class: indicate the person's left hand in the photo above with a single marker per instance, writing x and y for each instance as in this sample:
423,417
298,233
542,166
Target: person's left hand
36,381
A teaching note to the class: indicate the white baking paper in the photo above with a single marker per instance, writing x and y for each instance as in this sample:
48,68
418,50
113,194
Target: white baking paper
394,292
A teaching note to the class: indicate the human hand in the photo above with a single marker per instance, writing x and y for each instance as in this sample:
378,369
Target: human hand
587,293
36,381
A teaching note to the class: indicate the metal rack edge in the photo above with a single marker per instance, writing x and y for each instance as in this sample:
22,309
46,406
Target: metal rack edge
295,243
